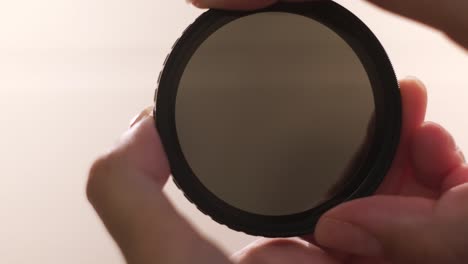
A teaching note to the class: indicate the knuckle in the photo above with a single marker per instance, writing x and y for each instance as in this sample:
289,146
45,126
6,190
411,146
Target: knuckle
260,253
254,257
265,251
100,170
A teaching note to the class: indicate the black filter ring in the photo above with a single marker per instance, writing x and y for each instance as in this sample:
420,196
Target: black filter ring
367,178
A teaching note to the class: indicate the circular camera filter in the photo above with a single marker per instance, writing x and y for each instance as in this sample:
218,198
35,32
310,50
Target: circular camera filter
271,117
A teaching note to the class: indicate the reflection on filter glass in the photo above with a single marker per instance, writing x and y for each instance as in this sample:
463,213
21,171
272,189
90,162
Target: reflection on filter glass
272,113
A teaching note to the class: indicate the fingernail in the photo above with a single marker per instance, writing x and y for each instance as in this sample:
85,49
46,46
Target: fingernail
461,154
415,79
237,256
147,112
208,3
346,237
196,3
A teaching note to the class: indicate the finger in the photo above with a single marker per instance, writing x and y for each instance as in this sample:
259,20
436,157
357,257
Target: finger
434,155
452,213
414,104
448,16
239,4
280,251
124,187
400,229
456,178
232,4
368,260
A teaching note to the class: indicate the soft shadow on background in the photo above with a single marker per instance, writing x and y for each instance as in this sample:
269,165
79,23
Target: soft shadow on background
72,75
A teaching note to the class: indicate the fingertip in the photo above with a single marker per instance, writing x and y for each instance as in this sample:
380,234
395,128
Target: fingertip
412,82
147,112
283,251
232,4
414,103
347,237
146,152
374,226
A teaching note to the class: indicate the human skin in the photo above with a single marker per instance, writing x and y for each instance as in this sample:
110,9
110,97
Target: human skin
418,215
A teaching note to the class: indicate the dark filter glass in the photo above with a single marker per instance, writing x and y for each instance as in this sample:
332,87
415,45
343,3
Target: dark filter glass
273,113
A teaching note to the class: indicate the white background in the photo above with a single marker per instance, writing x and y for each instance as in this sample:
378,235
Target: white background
72,75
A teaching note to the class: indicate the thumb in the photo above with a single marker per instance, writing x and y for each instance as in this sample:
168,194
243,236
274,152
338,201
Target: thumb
125,188
232,4
399,229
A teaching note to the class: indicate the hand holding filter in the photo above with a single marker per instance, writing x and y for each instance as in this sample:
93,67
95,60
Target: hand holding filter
271,117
